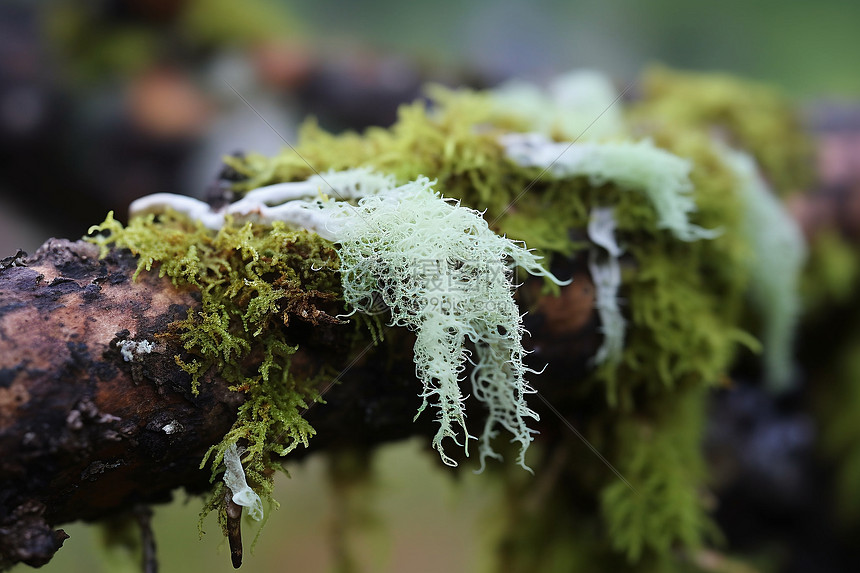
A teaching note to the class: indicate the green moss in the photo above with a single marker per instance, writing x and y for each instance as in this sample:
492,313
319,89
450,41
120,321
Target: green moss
660,455
755,117
254,282
831,275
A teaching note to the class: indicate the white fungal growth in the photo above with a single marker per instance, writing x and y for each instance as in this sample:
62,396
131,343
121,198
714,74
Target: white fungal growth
641,166
779,253
234,478
294,203
606,274
172,427
445,275
130,348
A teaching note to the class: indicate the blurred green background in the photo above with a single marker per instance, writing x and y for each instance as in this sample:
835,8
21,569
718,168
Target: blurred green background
104,101
807,48
422,519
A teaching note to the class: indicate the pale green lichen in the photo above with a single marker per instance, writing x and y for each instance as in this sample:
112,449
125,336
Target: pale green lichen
775,266
445,275
662,176
606,273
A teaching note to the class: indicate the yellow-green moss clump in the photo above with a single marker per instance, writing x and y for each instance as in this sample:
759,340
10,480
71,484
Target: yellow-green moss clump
751,116
254,280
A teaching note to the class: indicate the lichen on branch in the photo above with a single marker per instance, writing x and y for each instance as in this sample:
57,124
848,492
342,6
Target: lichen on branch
649,196
445,275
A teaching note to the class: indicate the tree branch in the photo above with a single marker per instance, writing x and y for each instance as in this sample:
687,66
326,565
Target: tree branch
96,417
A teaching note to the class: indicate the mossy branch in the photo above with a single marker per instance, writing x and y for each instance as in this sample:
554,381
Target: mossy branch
86,434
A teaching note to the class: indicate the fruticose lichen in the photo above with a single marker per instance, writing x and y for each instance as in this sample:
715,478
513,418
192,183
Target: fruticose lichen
445,275
605,271
775,265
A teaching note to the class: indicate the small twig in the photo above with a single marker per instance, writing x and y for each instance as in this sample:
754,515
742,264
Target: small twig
234,528
149,563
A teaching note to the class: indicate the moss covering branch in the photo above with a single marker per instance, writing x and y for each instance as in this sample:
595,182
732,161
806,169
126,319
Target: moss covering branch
282,265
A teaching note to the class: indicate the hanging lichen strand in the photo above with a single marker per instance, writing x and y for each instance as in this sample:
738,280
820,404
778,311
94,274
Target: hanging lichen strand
445,275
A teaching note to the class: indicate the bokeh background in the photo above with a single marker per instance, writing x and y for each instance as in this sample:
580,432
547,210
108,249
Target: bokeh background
103,101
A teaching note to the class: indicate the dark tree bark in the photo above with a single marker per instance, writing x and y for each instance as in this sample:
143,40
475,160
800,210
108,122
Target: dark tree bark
83,432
